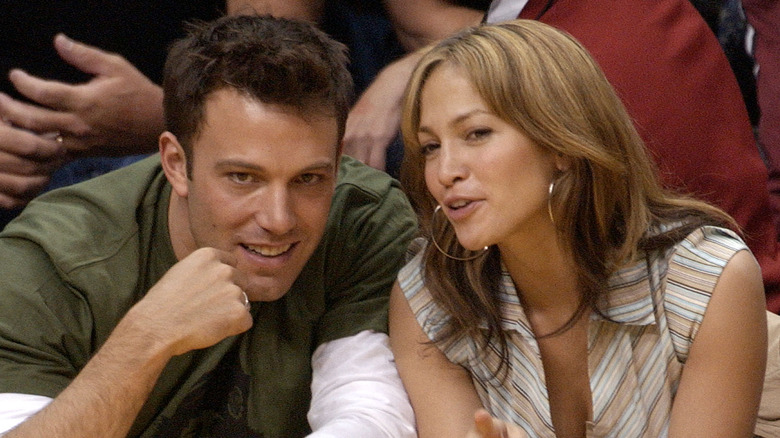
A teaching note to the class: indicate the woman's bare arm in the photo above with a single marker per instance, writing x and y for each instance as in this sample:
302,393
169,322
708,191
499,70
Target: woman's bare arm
442,394
721,383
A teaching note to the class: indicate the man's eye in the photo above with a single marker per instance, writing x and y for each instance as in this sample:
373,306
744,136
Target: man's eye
239,177
309,178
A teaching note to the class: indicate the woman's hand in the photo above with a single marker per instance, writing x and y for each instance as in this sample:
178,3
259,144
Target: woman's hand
486,426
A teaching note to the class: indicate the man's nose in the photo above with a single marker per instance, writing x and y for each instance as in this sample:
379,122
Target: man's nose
275,212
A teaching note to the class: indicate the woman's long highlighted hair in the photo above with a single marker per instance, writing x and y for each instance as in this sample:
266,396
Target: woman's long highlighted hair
543,82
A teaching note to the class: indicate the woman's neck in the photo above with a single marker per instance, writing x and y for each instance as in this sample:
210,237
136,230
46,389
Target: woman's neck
544,275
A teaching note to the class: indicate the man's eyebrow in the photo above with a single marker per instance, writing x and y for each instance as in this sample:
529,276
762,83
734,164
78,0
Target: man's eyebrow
326,165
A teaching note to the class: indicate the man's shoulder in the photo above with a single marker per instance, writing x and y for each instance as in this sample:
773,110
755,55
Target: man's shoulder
367,194
369,208
356,176
92,217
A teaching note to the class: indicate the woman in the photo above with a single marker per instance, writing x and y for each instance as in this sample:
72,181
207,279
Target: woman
559,287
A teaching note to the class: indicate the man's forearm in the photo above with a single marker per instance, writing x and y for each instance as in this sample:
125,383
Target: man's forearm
356,390
309,10
193,306
423,22
106,396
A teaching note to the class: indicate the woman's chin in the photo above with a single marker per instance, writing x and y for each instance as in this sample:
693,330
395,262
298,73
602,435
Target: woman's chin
473,244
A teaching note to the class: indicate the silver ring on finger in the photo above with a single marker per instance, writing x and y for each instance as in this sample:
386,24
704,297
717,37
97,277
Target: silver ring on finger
247,304
59,138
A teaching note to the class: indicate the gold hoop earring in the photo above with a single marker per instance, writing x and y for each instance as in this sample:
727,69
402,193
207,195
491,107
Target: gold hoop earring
550,189
433,239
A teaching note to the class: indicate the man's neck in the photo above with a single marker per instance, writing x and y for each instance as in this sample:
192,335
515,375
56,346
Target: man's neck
179,227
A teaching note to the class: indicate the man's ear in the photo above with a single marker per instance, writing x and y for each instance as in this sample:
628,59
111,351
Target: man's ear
339,154
174,163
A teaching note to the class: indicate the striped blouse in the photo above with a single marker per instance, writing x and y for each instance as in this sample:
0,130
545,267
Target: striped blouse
634,361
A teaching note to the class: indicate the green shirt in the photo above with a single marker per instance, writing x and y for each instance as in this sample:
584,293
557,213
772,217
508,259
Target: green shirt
78,258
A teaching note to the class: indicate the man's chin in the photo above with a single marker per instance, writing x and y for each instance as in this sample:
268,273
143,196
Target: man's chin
266,292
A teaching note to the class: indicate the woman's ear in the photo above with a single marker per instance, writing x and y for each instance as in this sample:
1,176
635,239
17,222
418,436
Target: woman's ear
562,162
174,163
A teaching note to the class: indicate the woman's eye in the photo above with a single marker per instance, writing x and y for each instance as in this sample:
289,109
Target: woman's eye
479,134
428,148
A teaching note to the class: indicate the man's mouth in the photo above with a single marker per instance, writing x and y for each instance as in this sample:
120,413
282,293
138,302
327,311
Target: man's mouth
268,251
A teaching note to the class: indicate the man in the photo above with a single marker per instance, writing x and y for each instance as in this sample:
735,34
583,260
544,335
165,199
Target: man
763,17
202,292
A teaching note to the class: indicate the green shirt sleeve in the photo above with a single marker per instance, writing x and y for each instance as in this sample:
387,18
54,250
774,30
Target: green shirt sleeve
45,329
375,225
71,265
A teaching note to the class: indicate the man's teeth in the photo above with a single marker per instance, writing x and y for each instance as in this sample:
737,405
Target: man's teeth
269,251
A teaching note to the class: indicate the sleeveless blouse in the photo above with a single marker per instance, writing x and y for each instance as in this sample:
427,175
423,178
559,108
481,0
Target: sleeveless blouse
656,306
